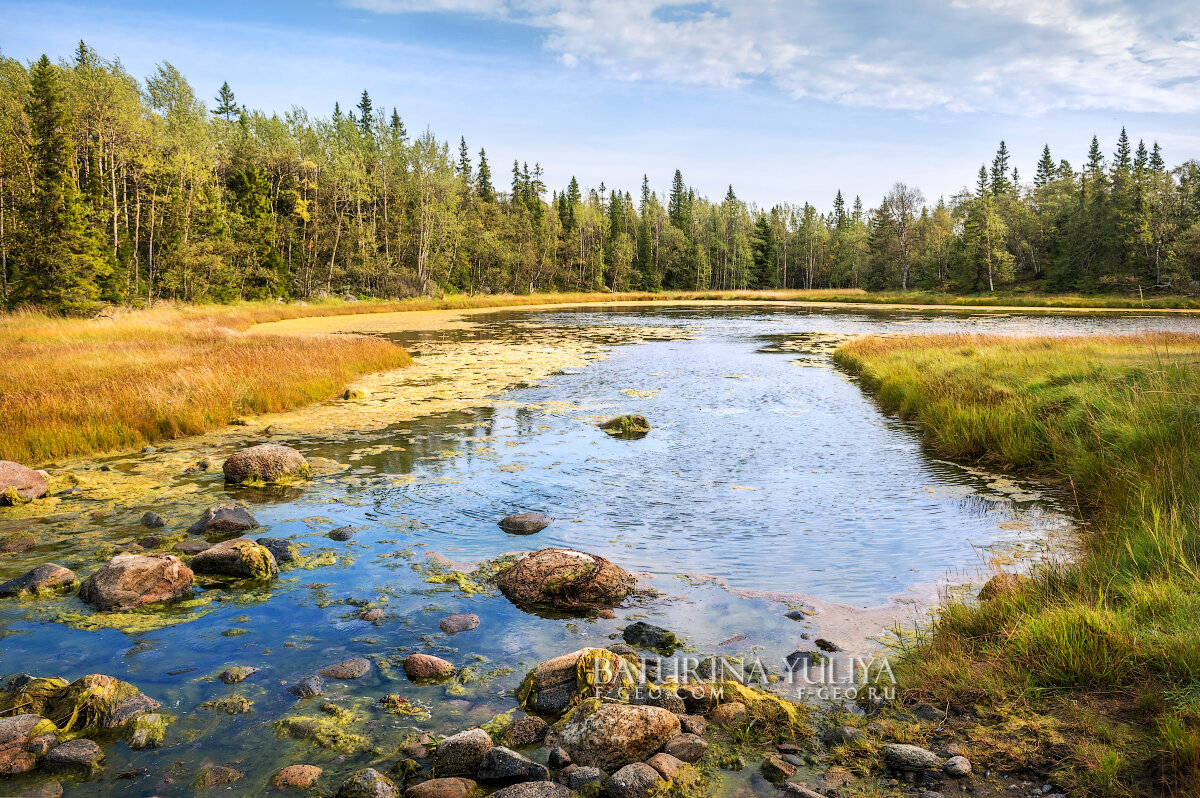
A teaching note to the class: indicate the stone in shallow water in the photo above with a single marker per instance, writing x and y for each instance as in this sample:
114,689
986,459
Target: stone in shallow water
426,666
46,578
610,736
301,776
308,687
153,520
452,787
267,462
631,426
228,519
241,558
282,550
565,578
648,635
353,668
686,747
133,580
454,624
461,754
502,766
526,731
238,673
525,523
368,783
216,776
20,484
17,737
78,755
342,533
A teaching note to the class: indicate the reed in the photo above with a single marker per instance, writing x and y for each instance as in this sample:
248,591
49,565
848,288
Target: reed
1109,638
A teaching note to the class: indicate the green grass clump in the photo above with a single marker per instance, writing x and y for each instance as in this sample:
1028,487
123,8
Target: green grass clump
1115,420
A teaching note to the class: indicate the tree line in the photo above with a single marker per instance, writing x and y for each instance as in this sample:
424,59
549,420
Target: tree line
125,191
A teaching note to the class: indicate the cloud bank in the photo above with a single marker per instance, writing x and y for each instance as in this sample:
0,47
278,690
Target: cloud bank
1009,56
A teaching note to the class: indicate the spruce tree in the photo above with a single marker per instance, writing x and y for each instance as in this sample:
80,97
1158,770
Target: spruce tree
227,107
1046,172
463,167
484,179
1000,183
839,210
398,127
365,114
64,261
677,206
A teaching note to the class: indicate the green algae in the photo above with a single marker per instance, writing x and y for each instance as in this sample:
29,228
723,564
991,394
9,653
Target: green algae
320,559
330,733
235,704
139,620
463,581
148,731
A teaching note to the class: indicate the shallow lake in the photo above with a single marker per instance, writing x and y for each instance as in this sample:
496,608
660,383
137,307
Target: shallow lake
769,482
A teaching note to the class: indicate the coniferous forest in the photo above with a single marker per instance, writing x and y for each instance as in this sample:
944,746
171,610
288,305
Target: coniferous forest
125,191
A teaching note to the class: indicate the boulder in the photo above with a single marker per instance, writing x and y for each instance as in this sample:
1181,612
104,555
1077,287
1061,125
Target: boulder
152,520
461,754
610,736
267,462
238,673
78,755
533,789
525,523
225,520
20,484
630,426
240,557
957,767
22,737
565,578
686,747
581,777
558,758
342,533
646,635
502,766
46,578
308,687
132,580
910,758
368,783
452,787
147,731
301,776
693,724
455,624
282,550
635,780
426,666
552,686
729,715
526,731
665,764
353,668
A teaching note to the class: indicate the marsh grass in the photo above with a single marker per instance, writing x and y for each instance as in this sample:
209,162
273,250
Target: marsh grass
1116,421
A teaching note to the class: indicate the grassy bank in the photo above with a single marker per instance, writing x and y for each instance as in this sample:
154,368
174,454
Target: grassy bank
75,386
1093,666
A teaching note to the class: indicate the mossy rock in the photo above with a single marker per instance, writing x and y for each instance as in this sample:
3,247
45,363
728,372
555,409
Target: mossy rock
630,426
557,684
148,731
331,732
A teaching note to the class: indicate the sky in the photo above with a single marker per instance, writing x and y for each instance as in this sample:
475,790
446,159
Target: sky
785,100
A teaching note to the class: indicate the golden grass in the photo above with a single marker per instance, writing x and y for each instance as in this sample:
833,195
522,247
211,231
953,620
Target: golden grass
75,386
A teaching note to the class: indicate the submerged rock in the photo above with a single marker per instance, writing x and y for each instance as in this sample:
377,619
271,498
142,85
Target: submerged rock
216,776
342,533
78,755
20,484
461,754
238,673
46,578
300,776
240,557
648,635
282,550
133,580
630,426
152,520
147,731
353,668
610,736
92,702
228,519
18,541
267,462
454,624
426,666
565,578
525,523
308,687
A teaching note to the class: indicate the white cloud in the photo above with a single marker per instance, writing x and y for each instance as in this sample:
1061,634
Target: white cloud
1015,56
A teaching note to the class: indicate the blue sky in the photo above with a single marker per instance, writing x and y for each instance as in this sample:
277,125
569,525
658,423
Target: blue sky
788,101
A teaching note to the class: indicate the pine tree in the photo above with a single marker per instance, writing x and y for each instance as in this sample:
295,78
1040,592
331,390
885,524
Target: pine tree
484,179
227,107
365,113
1046,172
463,168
